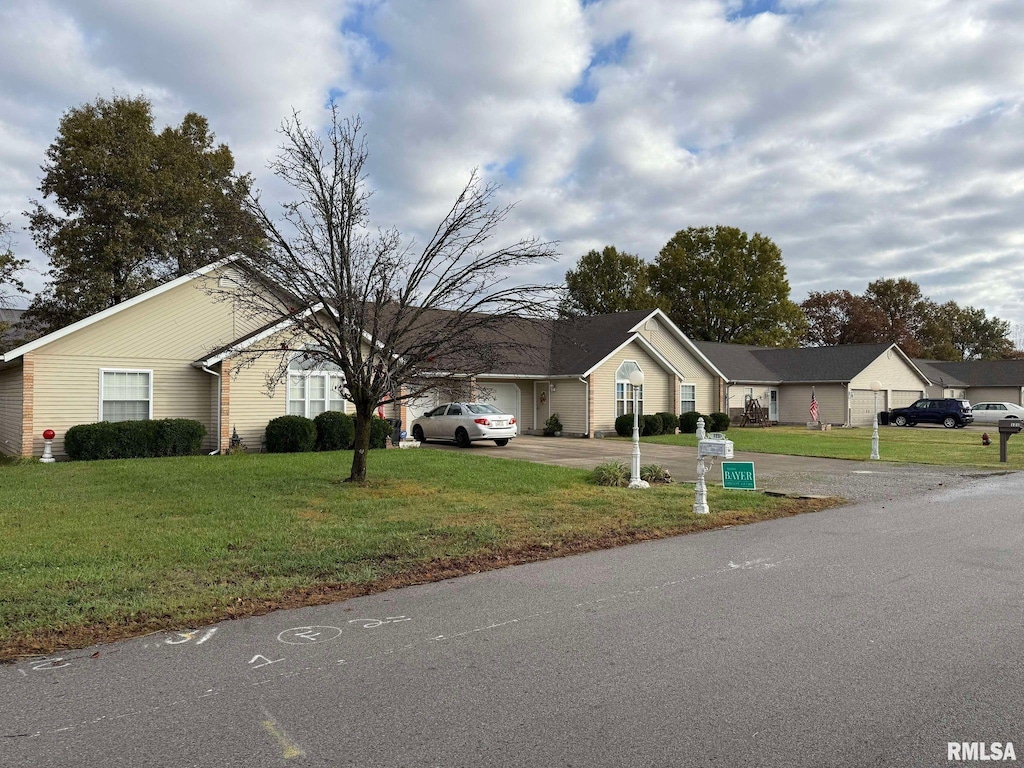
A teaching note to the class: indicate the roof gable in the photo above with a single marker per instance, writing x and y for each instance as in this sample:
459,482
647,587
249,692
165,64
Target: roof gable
802,364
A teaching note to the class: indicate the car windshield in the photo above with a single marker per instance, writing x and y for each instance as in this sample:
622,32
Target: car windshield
481,408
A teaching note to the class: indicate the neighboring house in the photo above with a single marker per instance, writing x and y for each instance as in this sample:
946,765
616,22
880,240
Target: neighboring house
178,351
840,378
976,380
173,352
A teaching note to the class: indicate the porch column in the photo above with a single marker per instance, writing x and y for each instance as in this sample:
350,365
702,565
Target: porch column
678,384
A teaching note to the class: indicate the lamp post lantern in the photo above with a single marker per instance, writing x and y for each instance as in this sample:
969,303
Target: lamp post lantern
636,380
875,386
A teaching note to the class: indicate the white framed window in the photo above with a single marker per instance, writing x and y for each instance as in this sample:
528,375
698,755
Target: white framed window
126,394
624,390
687,398
313,387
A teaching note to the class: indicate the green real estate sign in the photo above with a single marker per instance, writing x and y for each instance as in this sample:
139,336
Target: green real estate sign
738,474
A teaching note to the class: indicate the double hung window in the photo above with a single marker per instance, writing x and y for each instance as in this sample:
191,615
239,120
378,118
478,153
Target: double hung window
126,395
313,387
624,390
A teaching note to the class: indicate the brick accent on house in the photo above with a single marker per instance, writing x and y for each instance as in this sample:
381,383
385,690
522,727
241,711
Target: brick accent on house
677,383
225,407
28,397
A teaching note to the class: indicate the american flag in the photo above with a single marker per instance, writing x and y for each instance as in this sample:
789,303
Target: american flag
814,407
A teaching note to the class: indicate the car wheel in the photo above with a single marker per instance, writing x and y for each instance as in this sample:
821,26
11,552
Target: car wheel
462,438
900,421
949,422
417,434
502,442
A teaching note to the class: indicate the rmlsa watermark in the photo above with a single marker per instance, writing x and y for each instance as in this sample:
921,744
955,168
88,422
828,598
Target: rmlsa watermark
977,751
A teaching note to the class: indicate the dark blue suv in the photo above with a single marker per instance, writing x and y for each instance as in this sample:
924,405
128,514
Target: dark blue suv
947,411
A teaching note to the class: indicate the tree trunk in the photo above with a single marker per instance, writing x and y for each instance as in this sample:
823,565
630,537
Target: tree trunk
361,446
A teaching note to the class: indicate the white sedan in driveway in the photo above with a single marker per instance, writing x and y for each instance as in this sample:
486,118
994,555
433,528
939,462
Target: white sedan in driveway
991,413
465,423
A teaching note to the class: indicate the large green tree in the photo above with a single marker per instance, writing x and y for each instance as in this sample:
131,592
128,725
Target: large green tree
904,310
124,208
840,317
10,284
724,285
607,281
952,332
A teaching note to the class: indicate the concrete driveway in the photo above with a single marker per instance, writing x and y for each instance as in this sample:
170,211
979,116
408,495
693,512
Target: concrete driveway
854,480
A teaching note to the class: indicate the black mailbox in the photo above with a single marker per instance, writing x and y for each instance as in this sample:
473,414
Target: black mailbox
1008,426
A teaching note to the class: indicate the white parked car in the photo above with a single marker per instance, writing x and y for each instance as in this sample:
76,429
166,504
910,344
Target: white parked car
465,423
991,413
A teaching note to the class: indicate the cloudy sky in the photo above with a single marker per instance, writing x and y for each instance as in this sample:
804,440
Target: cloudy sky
867,138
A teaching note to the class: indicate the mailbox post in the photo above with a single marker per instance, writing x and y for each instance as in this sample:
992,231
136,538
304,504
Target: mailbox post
1007,427
713,445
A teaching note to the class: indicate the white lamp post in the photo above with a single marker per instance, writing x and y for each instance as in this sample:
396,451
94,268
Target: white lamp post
636,380
875,386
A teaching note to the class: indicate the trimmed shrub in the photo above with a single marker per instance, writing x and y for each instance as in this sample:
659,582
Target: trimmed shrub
624,425
654,474
335,431
612,473
719,422
142,439
650,424
291,434
669,422
552,426
688,422
380,432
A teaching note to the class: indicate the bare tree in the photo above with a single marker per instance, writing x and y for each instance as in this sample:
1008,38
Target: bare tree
396,320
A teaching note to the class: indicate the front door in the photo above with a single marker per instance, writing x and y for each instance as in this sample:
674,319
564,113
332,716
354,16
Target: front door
773,405
541,404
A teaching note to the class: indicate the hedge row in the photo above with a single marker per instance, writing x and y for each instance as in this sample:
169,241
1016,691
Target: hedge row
714,422
650,424
134,439
330,431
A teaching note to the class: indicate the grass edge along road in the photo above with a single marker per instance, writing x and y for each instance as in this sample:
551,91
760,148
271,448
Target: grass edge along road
96,551
916,445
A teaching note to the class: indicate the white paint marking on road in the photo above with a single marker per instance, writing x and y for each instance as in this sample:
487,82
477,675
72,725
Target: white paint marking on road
266,661
307,635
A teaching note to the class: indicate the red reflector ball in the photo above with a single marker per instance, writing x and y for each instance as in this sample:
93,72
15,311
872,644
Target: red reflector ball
49,434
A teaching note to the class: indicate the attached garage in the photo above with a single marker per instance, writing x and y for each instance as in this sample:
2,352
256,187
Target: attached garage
420,405
862,406
505,396
901,398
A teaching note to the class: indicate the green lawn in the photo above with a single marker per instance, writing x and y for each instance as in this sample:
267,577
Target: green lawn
98,550
922,445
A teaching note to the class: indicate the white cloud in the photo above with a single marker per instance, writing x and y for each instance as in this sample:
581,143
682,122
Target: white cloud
867,138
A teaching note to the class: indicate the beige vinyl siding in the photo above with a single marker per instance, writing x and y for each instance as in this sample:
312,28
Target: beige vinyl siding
252,405
184,323
707,384
997,394
659,388
795,403
67,392
569,401
892,371
10,410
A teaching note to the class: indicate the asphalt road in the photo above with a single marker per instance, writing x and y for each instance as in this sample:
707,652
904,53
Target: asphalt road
868,635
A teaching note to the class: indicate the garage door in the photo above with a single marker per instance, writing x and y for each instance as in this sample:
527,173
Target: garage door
862,407
901,398
503,396
420,405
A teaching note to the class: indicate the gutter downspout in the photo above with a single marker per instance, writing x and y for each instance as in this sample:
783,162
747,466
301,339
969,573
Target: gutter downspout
214,373
586,423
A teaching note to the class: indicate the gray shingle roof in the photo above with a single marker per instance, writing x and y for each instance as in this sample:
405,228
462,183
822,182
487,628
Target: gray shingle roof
977,373
804,364
542,347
